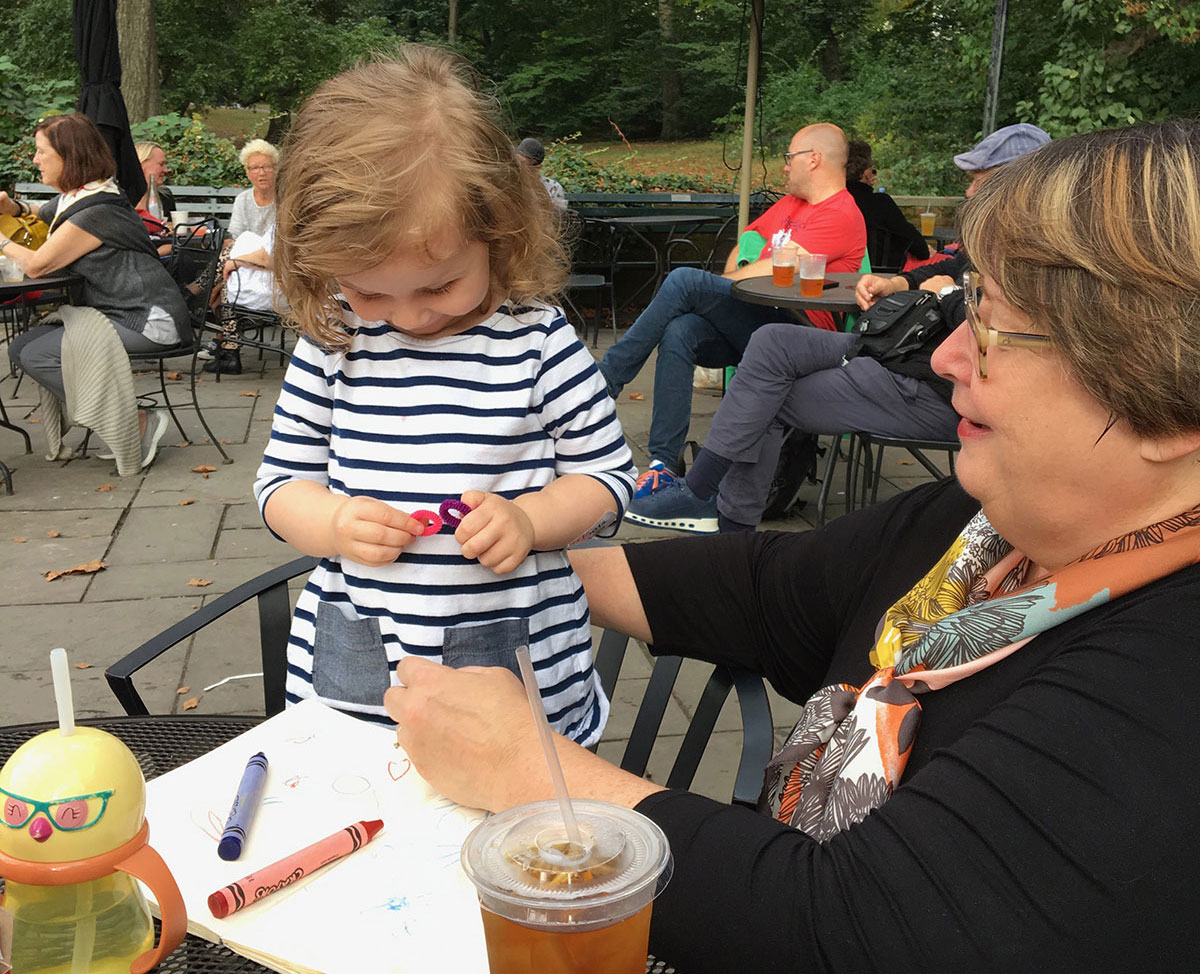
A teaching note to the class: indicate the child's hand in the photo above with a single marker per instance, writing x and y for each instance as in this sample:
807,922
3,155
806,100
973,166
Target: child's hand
497,533
371,532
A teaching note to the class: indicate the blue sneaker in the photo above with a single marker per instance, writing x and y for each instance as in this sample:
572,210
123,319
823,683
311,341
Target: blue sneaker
673,507
655,477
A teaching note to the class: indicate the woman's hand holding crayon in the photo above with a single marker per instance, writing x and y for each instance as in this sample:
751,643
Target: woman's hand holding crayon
497,533
371,532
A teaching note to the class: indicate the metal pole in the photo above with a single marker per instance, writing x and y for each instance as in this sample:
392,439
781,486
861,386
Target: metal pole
756,19
996,62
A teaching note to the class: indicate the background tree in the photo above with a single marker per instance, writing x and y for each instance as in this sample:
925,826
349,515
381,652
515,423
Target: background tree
138,41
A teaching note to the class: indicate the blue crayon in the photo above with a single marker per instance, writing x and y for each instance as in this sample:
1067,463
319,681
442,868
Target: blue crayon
244,807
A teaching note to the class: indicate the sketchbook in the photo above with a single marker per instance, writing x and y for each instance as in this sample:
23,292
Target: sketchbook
400,904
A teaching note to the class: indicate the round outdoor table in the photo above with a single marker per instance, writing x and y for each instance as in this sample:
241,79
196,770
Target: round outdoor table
945,235
162,743
838,300
633,226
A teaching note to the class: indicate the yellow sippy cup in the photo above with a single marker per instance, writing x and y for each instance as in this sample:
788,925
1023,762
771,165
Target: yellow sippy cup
73,837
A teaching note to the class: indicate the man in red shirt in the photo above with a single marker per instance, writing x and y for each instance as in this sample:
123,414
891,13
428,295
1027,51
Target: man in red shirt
694,319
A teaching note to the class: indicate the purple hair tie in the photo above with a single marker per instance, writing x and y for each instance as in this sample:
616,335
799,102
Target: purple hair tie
453,511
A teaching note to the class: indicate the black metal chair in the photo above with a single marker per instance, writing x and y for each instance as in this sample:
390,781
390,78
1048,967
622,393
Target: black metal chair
201,245
872,464
886,249
274,623
758,738
270,589
592,244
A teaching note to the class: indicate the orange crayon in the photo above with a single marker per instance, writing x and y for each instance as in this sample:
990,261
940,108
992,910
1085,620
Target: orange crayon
291,869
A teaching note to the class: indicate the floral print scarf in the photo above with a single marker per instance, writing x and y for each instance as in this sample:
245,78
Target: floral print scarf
847,753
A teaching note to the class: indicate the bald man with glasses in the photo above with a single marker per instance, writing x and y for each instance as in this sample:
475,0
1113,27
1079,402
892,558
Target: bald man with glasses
694,319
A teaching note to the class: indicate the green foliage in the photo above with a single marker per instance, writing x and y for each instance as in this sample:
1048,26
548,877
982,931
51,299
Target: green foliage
196,156
578,172
22,105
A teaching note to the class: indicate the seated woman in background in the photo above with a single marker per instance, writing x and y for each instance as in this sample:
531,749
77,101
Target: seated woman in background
254,208
253,213
97,235
901,240
991,772
154,164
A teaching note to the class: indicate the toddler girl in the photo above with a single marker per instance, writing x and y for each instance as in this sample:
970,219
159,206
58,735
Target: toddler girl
416,251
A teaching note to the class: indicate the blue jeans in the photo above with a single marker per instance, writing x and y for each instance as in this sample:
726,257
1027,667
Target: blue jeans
692,320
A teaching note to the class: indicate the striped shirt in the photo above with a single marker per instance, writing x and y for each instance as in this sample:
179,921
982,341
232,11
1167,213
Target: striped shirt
505,407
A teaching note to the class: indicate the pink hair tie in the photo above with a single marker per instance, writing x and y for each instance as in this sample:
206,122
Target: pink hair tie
433,523
453,511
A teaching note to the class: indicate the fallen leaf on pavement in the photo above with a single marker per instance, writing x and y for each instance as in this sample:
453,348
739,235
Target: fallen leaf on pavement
182,690
186,502
204,468
636,396
191,703
53,534
174,375
19,540
199,582
83,666
34,419
183,444
225,442
204,475
87,568
247,392
905,463
264,419
105,488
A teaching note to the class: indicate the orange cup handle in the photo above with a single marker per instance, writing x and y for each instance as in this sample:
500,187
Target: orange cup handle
148,866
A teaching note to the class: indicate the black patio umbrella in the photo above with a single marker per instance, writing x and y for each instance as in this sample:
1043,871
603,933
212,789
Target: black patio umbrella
94,24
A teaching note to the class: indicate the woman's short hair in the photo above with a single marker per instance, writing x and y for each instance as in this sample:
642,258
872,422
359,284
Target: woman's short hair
1097,238
858,160
258,147
390,155
143,149
85,154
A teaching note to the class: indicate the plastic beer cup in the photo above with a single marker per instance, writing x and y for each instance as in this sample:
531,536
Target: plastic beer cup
11,270
783,266
551,906
927,223
812,275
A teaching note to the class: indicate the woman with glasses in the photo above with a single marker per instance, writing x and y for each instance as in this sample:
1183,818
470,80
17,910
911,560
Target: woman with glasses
993,768
251,234
892,242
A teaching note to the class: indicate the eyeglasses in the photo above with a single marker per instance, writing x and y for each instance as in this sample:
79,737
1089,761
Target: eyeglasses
66,814
260,169
787,156
985,337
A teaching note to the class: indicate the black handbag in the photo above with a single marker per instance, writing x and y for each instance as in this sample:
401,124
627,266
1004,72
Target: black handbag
899,324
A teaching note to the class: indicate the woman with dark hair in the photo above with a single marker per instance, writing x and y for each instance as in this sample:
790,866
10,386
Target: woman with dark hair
96,234
891,239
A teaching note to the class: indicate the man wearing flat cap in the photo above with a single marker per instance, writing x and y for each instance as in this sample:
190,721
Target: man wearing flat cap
531,152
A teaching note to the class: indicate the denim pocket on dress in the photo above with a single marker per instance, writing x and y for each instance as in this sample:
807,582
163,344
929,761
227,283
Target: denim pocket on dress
492,644
349,661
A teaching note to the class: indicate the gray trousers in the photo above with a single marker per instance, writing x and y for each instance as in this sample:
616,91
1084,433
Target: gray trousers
39,352
792,375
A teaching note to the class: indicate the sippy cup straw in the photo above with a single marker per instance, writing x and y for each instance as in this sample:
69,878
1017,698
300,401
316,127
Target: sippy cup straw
62,691
556,772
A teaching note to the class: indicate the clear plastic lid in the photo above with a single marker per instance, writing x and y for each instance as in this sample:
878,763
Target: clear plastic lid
521,862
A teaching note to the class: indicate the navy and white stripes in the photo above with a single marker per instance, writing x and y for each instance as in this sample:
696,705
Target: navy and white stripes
505,407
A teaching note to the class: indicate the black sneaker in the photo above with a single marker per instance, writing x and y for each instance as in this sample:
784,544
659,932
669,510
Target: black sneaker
208,350
227,362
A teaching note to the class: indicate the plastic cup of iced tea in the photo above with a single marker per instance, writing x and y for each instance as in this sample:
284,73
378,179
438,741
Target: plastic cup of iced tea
812,275
783,266
551,905
927,223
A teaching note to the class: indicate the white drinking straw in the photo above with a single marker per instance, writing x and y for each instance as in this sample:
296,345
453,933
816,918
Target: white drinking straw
547,739
62,691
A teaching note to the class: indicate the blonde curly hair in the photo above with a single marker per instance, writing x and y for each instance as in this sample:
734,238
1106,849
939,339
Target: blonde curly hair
391,155
1097,238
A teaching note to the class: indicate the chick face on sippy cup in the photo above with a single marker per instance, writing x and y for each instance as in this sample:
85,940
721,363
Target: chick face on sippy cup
73,838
